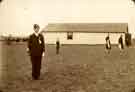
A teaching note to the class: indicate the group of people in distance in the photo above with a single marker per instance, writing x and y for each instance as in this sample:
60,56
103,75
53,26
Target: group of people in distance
108,43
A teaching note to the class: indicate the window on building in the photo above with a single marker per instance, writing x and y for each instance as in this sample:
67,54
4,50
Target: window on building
70,35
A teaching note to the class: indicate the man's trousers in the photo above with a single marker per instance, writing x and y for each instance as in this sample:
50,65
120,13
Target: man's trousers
36,66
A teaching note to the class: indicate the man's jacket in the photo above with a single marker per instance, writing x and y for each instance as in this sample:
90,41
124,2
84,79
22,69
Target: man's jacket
36,45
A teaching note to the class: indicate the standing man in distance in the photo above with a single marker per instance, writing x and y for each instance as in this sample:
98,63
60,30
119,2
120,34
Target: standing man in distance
36,49
57,46
108,44
120,43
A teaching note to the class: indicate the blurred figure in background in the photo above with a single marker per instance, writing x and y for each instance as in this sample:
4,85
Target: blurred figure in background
128,38
120,43
57,46
36,49
108,44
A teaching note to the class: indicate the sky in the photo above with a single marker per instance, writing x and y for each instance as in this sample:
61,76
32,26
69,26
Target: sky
18,16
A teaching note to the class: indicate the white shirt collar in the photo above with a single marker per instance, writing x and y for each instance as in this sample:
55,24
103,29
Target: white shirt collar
36,33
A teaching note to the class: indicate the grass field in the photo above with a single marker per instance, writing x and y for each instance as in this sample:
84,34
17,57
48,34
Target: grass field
78,68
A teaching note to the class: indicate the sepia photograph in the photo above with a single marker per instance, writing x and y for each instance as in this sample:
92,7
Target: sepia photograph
67,46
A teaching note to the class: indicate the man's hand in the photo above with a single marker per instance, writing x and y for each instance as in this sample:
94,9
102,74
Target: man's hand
28,51
43,54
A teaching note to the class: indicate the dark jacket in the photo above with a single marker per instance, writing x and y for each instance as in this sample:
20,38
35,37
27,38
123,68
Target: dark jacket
57,44
36,45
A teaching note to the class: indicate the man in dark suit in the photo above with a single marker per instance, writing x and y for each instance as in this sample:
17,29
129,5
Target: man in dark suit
36,49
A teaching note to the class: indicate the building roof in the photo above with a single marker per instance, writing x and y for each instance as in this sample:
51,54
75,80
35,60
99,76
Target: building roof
87,27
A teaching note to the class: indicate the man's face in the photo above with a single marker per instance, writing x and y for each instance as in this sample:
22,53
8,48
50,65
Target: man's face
36,29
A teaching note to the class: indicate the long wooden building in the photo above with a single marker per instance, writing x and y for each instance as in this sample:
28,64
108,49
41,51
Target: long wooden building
83,33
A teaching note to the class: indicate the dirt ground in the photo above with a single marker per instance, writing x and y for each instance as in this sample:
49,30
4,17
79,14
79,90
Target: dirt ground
78,68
